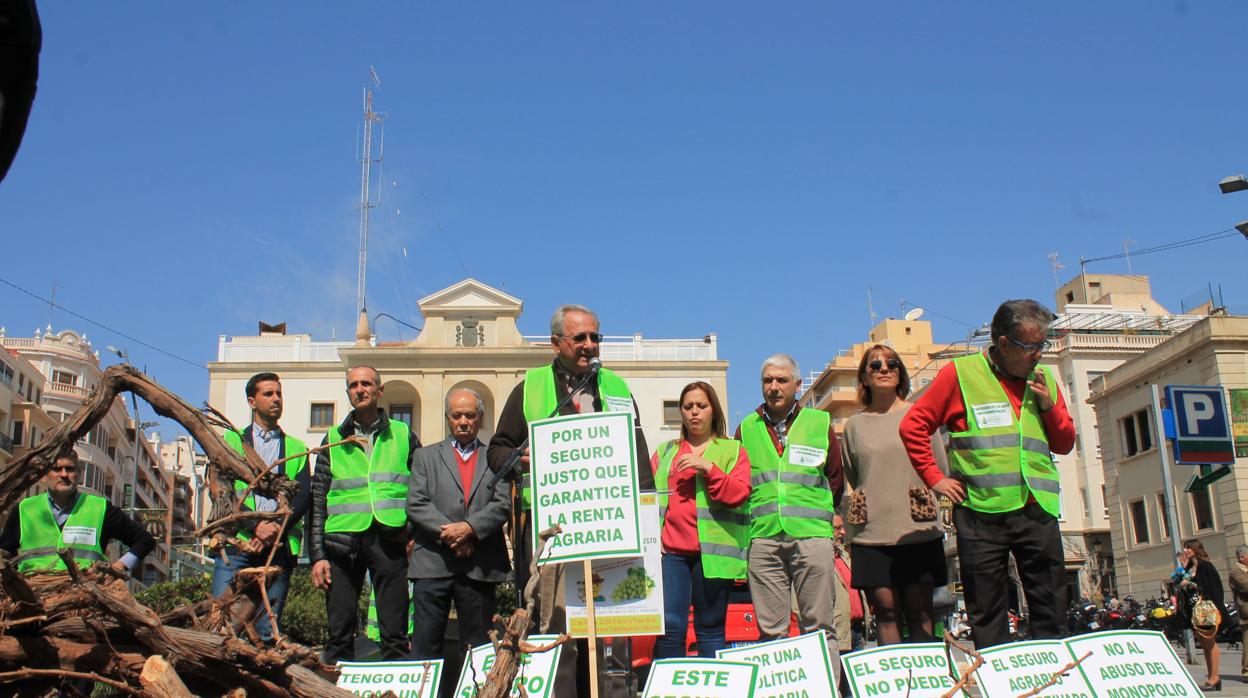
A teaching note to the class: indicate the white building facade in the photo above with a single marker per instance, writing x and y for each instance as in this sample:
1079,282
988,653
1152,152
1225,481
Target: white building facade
470,339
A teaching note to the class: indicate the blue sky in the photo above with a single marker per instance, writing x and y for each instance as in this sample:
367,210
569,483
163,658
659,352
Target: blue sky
682,167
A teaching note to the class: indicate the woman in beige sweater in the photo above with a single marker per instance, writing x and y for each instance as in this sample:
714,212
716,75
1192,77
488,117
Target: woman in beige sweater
896,542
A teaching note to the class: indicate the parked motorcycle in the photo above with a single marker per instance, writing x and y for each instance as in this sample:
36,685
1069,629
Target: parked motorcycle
1082,617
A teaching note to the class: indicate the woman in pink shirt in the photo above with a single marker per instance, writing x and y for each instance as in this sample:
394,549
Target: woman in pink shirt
703,462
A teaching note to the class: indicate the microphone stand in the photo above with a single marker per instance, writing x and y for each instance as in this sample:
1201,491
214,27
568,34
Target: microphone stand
519,548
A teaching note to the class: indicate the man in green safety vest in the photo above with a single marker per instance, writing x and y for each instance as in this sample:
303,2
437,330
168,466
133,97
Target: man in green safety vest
1006,417
265,436
358,522
575,339
64,517
796,475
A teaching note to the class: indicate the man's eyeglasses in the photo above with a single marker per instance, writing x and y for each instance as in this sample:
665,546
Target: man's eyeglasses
1030,348
583,337
877,366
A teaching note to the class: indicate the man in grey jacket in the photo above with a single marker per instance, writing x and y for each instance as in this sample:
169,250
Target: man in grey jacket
459,551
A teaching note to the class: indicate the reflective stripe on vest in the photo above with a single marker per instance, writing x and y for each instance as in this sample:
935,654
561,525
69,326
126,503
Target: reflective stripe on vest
292,468
1002,457
365,489
723,532
41,538
787,497
540,400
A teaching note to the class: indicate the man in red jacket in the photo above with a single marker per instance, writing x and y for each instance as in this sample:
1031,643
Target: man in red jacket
1005,416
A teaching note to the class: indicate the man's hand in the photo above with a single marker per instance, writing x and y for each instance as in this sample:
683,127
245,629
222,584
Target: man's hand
251,546
320,574
524,462
948,487
1040,389
120,568
267,532
455,534
464,549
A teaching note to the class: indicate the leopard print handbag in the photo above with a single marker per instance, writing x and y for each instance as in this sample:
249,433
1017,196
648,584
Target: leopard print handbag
922,504
857,514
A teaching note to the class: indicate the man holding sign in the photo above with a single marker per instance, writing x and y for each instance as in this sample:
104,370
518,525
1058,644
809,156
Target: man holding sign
1004,414
797,478
561,384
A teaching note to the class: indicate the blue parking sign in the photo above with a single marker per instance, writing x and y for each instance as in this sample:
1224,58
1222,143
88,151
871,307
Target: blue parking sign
1202,431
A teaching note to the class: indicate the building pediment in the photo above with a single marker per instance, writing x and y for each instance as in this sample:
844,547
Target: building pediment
470,297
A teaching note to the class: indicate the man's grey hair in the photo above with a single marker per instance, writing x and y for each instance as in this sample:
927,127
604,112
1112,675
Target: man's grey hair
1015,313
782,361
376,373
1241,551
447,402
556,320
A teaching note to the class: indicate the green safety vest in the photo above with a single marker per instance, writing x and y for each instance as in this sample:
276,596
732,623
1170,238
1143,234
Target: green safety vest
723,532
540,400
364,489
290,445
372,630
1002,457
41,538
791,495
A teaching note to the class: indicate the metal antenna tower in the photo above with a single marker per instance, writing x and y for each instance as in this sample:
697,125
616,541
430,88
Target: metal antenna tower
1055,265
366,166
1127,252
871,307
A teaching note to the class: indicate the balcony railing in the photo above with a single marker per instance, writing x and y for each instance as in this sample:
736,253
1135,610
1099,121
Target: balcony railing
6,443
1133,343
64,390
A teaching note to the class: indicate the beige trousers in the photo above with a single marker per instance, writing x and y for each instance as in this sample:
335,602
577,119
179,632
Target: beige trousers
801,567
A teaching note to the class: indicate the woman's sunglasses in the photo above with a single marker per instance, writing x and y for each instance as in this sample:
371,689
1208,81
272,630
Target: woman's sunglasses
877,365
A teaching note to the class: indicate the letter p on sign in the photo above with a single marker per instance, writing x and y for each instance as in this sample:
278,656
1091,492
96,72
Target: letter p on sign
1197,407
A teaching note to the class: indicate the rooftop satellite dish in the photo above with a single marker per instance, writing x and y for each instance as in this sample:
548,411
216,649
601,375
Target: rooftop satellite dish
914,314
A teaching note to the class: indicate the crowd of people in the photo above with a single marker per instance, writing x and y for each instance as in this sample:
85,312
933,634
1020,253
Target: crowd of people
774,504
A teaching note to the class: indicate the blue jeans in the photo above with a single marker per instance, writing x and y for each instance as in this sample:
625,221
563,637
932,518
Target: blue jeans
683,584
223,574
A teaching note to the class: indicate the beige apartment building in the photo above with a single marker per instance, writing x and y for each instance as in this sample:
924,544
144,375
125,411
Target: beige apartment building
471,338
68,368
834,389
1213,351
23,421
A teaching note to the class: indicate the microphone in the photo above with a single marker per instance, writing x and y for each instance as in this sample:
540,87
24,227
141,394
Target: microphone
594,364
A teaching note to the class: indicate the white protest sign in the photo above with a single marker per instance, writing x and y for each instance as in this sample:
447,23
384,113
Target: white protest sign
537,670
700,678
406,679
584,474
790,667
628,592
919,671
1016,668
1130,664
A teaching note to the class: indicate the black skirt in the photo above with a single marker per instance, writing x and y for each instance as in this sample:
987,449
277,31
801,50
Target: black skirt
898,565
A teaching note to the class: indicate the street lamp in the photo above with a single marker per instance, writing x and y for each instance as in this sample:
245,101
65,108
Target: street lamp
1233,184
138,429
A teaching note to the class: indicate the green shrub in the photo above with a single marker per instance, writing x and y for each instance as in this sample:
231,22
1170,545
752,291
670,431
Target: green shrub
166,596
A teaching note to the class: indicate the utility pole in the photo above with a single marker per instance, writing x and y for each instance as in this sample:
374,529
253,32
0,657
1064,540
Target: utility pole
1172,516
